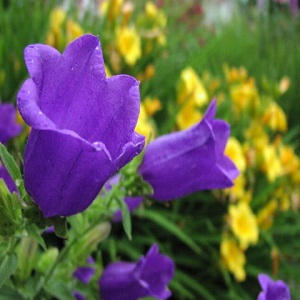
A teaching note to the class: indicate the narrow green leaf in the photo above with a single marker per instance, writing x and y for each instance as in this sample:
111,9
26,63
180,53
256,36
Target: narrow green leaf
8,267
126,219
33,231
172,228
60,226
12,169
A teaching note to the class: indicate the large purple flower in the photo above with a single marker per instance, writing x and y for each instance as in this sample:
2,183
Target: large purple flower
82,125
149,276
273,290
184,162
8,125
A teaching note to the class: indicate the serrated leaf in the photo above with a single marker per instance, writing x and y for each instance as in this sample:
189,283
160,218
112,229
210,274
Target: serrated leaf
172,228
8,267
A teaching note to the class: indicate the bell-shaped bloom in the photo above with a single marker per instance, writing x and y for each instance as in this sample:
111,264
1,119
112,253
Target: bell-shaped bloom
273,290
82,125
85,273
149,276
5,176
8,125
184,162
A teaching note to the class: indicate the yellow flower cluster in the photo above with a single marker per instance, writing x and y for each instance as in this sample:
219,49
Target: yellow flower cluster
256,146
62,30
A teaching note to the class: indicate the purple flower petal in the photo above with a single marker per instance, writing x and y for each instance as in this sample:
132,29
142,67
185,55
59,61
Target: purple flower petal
8,126
7,179
273,290
181,163
130,281
83,125
85,273
78,296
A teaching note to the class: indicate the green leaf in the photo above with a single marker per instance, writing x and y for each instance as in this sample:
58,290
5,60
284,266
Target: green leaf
9,293
8,267
12,169
33,231
126,219
172,228
59,290
60,226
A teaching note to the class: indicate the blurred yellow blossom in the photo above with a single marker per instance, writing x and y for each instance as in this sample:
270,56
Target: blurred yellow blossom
234,151
73,31
110,8
56,20
144,125
265,216
234,258
152,105
128,43
153,13
191,95
234,75
243,224
274,117
271,164
244,96
191,88
289,160
188,115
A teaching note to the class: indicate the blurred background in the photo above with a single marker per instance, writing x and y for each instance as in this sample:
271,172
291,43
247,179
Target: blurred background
244,53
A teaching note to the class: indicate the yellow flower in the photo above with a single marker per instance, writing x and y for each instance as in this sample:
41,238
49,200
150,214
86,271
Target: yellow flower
244,95
128,43
73,31
152,105
153,13
144,125
243,224
234,258
271,164
191,88
237,192
235,74
188,115
234,151
55,35
191,95
289,160
274,117
110,8
265,216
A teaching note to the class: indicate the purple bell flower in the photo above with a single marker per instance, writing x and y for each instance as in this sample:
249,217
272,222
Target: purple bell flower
8,125
78,296
85,273
181,163
149,276
273,290
82,125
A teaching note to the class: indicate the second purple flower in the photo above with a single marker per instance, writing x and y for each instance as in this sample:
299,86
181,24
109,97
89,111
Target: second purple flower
184,162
